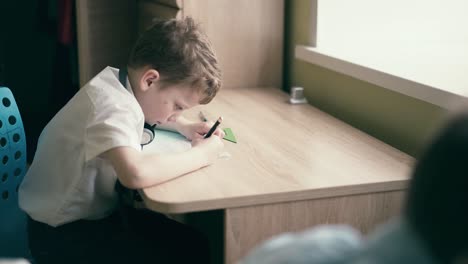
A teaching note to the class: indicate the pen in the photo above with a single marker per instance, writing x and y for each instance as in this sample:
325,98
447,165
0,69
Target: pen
213,128
202,116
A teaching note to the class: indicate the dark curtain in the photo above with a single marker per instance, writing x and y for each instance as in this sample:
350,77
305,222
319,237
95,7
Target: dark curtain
38,59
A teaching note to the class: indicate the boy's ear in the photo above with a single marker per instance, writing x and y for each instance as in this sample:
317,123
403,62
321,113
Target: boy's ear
148,78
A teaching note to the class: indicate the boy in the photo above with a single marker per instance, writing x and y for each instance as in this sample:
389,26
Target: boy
95,140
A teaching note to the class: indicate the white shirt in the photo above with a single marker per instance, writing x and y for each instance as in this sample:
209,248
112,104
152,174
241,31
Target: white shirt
68,180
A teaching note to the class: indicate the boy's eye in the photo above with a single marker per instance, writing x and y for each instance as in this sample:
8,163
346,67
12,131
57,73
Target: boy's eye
178,107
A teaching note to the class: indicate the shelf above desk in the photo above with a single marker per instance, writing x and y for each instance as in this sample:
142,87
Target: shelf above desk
284,153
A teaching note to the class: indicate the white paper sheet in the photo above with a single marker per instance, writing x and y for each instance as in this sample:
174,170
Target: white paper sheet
167,142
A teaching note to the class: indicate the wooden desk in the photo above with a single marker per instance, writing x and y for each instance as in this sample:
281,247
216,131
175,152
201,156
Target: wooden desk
293,167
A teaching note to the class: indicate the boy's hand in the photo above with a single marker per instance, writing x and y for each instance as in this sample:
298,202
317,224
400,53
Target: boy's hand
197,130
211,147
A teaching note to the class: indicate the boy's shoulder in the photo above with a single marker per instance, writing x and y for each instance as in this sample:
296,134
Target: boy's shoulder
105,81
105,95
105,88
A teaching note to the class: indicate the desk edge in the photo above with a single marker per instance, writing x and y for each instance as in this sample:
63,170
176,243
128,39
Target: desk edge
291,196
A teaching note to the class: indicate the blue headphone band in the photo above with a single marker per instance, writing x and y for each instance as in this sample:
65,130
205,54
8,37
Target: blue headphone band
123,77
151,127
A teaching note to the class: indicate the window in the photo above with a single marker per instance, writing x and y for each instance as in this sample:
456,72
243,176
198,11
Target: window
418,47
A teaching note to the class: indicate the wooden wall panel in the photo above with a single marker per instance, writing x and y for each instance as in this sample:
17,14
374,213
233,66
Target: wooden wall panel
170,3
106,31
363,212
247,36
149,10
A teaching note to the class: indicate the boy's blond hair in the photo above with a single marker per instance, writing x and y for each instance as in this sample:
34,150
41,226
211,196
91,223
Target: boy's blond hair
181,53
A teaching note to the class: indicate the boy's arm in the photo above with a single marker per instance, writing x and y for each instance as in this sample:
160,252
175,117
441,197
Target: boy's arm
191,129
136,170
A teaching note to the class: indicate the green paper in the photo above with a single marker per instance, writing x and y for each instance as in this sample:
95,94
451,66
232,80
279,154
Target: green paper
229,135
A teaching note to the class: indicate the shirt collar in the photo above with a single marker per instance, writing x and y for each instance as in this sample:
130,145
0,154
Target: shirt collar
129,86
123,73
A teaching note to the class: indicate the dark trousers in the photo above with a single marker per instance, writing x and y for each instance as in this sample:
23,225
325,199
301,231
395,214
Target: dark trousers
147,237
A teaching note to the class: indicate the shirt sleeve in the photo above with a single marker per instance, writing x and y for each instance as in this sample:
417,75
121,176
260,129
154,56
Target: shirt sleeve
320,245
112,126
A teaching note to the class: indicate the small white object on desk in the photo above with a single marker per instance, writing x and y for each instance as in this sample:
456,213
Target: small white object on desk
297,95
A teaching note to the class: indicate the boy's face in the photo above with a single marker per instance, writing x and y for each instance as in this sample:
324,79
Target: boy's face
162,105
165,105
